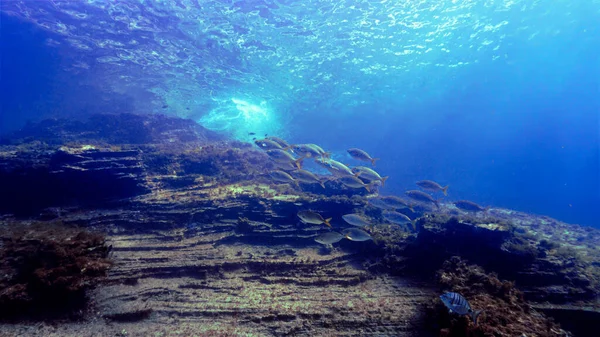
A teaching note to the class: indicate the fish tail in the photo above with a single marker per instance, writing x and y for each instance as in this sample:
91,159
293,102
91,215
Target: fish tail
414,225
475,315
298,162
383,180
373,161
445,190
327,222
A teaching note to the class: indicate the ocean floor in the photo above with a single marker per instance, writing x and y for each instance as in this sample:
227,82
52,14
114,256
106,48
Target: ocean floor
128,225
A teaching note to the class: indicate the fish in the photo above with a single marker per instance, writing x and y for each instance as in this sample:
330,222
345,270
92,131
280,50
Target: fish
279,141
283,157
470,206
307,150
398,219
379,203
361,155
422,196
282,177
395,202
355,220
329,238
356,234
313,218
456,303
165,106
354,182
335,167
307,177
432,186
251,133
368,174
267,144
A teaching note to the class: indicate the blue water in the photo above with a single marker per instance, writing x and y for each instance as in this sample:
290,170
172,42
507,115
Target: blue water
498,99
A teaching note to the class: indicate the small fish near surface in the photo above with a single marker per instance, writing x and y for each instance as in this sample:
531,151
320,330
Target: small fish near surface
456,303
356,234
432,186
356,220
469,206
368,174
362,155
329,238
313,218
422,196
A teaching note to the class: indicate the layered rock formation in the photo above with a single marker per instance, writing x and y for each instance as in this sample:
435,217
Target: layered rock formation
204,243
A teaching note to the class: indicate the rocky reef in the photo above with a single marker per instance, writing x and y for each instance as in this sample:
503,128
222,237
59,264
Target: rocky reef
205,243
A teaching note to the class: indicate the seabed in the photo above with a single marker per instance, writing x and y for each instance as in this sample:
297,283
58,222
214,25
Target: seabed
129,225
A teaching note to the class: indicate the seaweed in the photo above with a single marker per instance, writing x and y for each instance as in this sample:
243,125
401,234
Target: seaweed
47,269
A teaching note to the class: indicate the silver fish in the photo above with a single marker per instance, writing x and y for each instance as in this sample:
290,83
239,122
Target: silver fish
456,303
307,177
354,182
470,206
329,238
432,186
361,155
355,220
279,141
379,203
334,167
356,234
282,177
267,144
394,202
283,157
313,218
368,174
422,196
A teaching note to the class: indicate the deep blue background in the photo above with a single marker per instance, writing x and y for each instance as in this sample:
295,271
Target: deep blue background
502,134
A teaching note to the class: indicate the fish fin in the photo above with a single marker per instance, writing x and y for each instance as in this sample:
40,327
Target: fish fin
437,203
321,183
487,209
326,155
383,180
357,173
373,161
368,187
445,190
412,208
287,147
327,222
414,225
475,315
